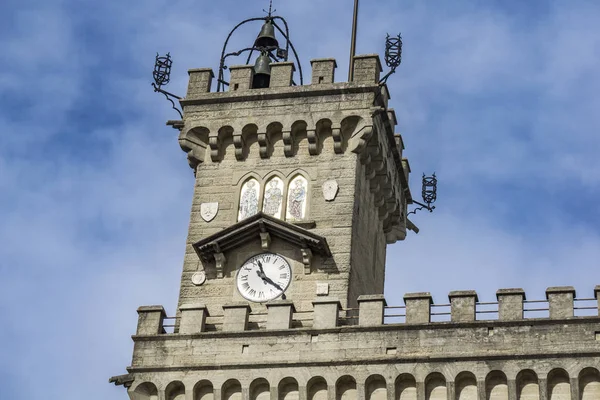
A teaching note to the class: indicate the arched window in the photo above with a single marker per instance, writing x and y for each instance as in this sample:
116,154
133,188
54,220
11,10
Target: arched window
589,384
273,197
527,386
297,198
317,389
204,391
496,386
260,390
375,388
466,386
406,387
559,387
346,388
232,390
175,391
248,199
435,387
288,389
146,391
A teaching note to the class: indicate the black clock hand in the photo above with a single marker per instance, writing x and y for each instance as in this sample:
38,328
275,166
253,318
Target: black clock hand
262,271
268,280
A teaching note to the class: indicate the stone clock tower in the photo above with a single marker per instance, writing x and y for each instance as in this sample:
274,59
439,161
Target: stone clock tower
298,191
311,173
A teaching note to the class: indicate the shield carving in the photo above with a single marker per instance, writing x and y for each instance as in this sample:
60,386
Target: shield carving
208,211
330,189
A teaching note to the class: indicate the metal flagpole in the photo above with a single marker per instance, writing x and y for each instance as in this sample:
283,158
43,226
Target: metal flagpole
353,42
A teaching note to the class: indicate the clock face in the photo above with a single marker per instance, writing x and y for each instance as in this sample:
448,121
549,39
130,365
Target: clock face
263,277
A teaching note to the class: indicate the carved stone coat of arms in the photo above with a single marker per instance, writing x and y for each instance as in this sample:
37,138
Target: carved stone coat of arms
208,211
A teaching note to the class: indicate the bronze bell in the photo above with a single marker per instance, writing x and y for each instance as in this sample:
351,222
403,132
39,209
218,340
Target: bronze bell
266,37
262,72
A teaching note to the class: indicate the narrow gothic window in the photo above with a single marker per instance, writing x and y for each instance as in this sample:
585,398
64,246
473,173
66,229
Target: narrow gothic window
248,199
297,197
273,198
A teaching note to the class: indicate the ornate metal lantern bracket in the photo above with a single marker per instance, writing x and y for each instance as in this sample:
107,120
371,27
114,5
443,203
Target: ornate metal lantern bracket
162,76
428,193
393,55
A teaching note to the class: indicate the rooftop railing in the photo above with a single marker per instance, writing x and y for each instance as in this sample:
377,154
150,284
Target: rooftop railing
511,305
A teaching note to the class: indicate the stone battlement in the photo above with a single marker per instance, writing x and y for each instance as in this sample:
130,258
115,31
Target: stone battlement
511,357
367,70
419,308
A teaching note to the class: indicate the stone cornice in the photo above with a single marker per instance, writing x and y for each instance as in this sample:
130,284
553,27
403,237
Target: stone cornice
251,228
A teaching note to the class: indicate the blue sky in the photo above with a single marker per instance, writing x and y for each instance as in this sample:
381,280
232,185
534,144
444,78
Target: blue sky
500,98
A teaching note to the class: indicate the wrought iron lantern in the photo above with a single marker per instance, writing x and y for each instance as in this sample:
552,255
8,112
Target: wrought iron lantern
162,76
428,193
393,55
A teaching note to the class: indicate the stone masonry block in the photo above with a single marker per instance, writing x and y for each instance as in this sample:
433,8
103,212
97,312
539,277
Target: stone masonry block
235,316
279,314
281,74
560,301
240,77
367,68
193,318
597,296
510,304
462,305
326,313
418,307
200,81
323,70
150,320
371,309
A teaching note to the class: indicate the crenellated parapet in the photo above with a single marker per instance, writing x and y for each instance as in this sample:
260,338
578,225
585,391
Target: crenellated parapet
504,347
419,309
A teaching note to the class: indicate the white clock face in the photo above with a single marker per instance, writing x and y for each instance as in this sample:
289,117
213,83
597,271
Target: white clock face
264,277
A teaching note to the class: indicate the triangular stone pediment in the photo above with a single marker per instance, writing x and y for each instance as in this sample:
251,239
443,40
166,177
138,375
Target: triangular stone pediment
256,227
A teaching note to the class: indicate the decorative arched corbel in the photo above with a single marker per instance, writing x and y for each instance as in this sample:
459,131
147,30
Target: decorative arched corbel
264,144
307,257
288,143
239,143
383,212
374,183
313,141
214,144
361,138
370,171
336,133
365,158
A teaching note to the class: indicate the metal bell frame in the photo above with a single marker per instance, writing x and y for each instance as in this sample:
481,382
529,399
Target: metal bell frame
280,54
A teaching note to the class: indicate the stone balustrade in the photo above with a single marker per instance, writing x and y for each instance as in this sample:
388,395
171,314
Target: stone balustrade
328,312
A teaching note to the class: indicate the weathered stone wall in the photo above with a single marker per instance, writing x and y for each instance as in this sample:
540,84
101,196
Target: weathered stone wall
368,243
